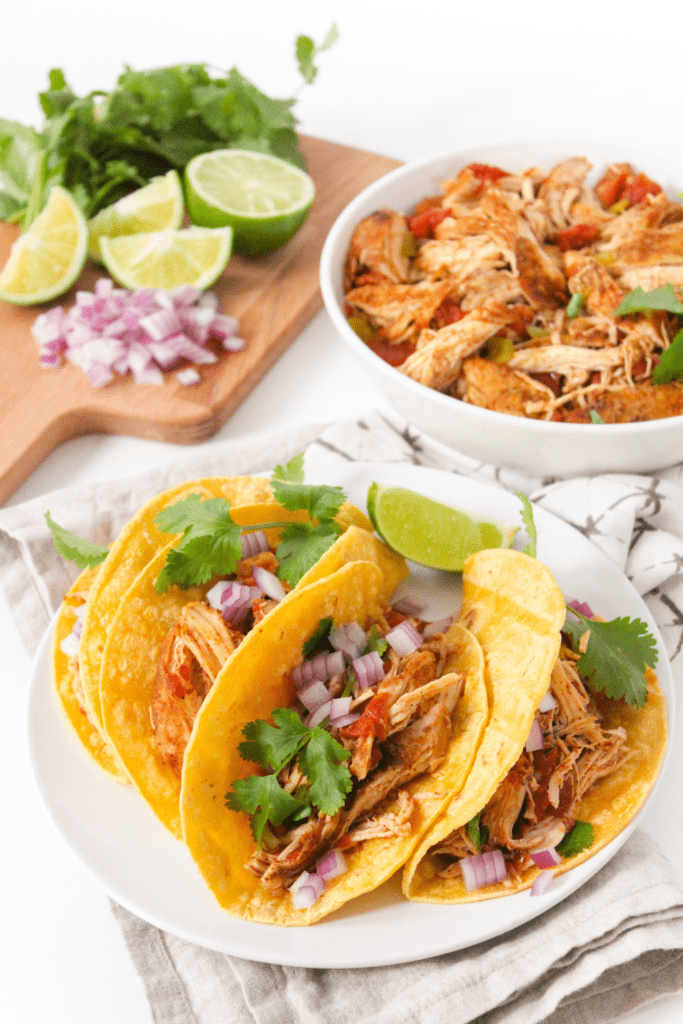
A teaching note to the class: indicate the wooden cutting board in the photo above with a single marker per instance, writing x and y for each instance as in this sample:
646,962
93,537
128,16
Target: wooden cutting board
273,298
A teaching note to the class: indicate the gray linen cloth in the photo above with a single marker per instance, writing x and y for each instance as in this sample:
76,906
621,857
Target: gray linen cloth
614,945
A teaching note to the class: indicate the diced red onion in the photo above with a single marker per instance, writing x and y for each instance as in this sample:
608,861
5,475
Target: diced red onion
254,543
332,865
546,859
349,638
113,330
542,883
341,714
439,626
70,645
77,628
582,608
548,702
406,606
313,695
268,583
535,737
369,669
232,599
305,896
322,667
404,638
484,869
319,715
188,377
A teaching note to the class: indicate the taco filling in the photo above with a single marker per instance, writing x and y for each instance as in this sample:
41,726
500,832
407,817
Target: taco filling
202,639
568,750
388,707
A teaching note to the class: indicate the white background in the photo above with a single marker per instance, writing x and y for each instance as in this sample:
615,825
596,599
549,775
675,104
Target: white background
403,81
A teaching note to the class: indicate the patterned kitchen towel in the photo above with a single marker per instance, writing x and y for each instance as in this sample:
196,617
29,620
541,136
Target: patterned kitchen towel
615,944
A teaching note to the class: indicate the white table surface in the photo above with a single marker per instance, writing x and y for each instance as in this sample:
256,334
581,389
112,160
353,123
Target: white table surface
401,81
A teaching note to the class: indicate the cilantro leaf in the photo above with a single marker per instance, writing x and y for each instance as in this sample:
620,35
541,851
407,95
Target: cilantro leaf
272,746
670,366
83,552
301,546
264,799
306,52
529,525
317,638
638,300
292,472
320,501
615,657
580,838
211,543
321,761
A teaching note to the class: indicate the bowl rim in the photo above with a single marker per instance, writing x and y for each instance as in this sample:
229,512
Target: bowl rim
345,222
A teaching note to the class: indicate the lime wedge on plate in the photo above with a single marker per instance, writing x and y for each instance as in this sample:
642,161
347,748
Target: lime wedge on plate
156,207
264,200
429,533
47,258
167,259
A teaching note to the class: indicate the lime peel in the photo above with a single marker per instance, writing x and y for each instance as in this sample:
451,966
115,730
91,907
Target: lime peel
429,532
157,206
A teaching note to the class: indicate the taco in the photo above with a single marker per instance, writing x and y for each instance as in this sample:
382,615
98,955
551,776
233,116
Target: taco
383,742
135,545
164,651
65,645
564,771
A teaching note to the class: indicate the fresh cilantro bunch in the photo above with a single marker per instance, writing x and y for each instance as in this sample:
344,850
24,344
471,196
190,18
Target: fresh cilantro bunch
319,756
110,142
670,366
83,553
615,656
211,542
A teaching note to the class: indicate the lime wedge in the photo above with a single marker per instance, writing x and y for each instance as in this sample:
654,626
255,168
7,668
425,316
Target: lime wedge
166,259
47,258
429,533
264,200
156,207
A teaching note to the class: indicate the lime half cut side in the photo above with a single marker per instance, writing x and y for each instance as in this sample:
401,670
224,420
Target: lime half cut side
47,258
428,532
168,259
264,200
156,207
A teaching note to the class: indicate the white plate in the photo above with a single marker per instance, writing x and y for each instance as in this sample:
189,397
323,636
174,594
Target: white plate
122,845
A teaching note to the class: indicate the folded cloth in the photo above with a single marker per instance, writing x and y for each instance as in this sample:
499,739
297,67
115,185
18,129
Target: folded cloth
615,944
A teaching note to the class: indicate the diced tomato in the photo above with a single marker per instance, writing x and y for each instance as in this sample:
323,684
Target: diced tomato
577,236
373,721
551,380
640,186
395,618
428,203
487,172
422,224
449,312
392,354
610,188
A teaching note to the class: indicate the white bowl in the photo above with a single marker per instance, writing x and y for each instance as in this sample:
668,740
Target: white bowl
540,447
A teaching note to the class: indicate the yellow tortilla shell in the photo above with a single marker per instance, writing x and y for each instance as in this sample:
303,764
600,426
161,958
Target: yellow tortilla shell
136,636
255,682
137,543
515,609
92,740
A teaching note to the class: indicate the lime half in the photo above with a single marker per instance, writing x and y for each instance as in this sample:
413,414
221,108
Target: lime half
47,258
429,533
167,259
264,200
156,207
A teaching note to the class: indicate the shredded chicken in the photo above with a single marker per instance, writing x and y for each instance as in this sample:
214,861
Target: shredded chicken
486,270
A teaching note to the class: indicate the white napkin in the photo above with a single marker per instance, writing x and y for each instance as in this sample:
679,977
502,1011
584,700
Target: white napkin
615,944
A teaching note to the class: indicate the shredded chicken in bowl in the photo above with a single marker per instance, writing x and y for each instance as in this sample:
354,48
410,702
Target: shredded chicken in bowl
501,291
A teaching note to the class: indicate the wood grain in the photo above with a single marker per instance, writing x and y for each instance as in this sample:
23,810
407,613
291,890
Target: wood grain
273,298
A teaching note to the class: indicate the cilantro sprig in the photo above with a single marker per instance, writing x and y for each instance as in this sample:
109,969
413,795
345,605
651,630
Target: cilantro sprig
670,366
614,655
529,524
210,543
319,756
84,553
